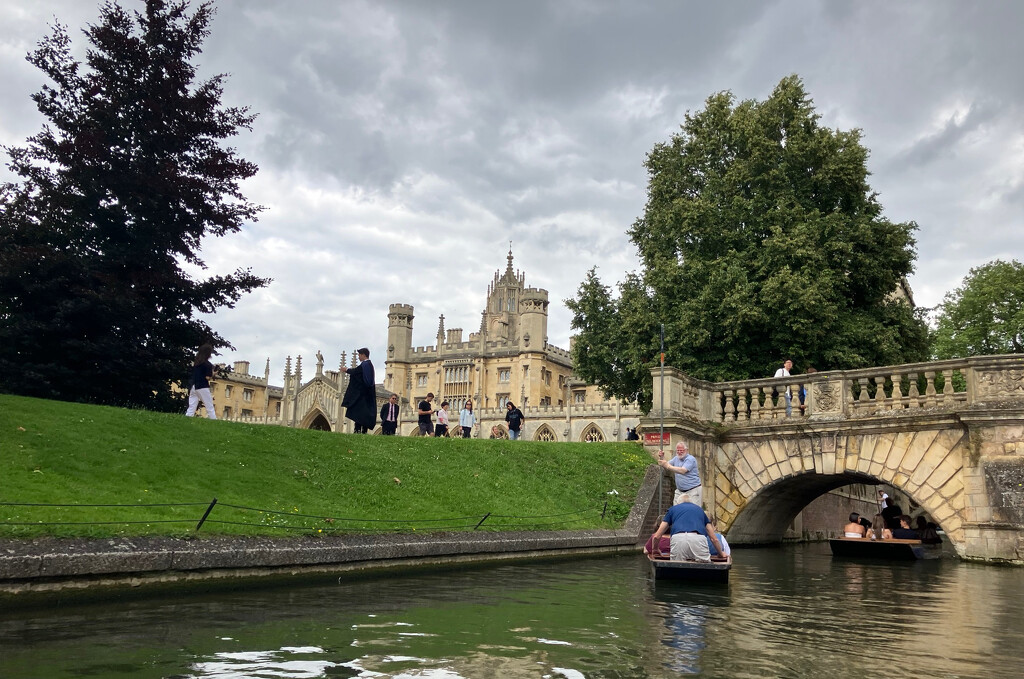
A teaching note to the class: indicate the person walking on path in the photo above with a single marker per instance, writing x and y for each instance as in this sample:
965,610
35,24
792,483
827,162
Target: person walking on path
360,398
202,373
467,419
784,371
515,420
691,531
442,421
426,413
684,466
389,416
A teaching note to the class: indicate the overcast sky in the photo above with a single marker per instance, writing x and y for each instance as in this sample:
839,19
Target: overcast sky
402,145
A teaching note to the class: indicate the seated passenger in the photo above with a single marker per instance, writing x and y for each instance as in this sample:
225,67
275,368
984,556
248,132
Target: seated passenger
853,529
725,547
905,532
926,532
688,525
664,545
878,529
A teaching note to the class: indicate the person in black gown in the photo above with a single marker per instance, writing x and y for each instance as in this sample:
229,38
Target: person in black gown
360,398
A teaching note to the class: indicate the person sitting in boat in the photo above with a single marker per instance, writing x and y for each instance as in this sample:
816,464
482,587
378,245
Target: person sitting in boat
725,546
691,529
905,532
880,532
854,529
892,513
926,532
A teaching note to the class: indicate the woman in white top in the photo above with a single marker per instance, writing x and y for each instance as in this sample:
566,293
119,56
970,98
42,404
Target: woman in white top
467,419
854,529
441,429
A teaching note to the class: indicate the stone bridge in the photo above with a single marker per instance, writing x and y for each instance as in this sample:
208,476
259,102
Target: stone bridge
950,434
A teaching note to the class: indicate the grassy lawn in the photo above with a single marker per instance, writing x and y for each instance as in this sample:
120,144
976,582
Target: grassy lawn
276,481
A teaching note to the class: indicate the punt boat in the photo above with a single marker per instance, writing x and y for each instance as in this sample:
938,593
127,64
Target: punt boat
886,550
664,568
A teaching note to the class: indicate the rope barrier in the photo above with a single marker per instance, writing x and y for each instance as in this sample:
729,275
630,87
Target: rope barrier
154,504
476,522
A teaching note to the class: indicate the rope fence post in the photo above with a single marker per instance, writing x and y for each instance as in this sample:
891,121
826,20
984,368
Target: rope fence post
482,521
604,509
206,514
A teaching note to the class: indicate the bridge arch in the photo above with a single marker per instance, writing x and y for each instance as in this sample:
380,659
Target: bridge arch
763,484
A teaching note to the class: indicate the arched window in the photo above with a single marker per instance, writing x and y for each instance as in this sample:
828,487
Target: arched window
592,434
544,434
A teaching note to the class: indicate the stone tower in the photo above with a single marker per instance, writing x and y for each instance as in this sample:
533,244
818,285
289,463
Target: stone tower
399,332
501,317
533,319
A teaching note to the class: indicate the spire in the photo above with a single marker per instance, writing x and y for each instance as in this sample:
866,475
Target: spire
508,270
440,330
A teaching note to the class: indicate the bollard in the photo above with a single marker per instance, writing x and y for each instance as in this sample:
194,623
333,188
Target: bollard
208,510
482,521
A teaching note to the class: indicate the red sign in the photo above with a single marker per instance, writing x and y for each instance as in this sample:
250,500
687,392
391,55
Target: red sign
651,438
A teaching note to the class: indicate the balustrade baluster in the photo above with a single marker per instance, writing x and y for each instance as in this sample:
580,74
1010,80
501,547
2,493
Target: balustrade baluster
915,395
897,393
755,405
879,393
741,405
720,406
730,406
862,400
947,388
768,412
929,390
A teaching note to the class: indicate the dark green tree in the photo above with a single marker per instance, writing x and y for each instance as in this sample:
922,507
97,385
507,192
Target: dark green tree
985,315
761,239
117,193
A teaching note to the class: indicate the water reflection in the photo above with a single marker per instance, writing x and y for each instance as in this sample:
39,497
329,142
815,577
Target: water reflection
792,612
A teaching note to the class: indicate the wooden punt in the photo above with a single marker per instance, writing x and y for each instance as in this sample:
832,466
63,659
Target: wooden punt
887,550
664,568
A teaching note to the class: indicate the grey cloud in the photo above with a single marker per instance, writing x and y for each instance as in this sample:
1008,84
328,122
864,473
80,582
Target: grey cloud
403,143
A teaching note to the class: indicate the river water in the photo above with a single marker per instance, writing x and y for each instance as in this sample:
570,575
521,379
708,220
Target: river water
788,612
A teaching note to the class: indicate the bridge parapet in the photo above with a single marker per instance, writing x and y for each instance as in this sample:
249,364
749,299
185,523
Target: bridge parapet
883,391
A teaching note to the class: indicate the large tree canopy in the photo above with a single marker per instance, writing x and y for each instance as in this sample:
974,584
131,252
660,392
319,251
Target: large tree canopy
985,315
118,191
761,239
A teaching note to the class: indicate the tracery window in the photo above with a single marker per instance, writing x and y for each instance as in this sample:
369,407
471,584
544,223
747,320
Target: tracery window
592,435
544,434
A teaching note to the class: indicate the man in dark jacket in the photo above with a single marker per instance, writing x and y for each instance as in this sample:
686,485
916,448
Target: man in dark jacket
389,416
892,514
360,398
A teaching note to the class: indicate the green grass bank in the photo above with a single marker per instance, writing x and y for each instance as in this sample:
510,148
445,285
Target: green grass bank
116,472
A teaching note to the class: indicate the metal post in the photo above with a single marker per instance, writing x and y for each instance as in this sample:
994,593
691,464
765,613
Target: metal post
208,510
604,510
661,433
482,520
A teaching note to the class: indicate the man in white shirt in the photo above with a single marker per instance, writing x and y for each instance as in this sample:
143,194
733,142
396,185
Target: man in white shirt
784,372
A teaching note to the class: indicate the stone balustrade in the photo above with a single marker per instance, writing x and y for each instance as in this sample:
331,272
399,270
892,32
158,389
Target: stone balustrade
867,392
